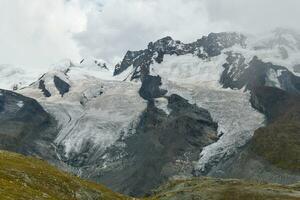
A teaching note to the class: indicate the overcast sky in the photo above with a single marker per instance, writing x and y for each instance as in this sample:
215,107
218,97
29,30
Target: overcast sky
37,33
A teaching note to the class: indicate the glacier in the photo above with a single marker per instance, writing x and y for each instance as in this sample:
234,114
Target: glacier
198,81
94,113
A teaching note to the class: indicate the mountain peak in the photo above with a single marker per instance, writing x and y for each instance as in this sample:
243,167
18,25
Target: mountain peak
207,46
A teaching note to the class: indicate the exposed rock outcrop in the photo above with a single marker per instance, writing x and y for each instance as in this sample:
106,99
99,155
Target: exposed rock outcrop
62,86
207,46
238,74
25,127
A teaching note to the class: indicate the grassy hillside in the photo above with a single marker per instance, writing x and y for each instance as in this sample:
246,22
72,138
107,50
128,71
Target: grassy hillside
29,178
26,178
279,141
217,189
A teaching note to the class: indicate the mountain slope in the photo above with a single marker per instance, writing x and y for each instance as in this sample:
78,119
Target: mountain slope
103,123
25,127
279,142
164,145
273,153
238,65
29,178
218,189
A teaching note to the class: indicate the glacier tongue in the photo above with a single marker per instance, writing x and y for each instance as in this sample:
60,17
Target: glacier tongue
236,118
198,81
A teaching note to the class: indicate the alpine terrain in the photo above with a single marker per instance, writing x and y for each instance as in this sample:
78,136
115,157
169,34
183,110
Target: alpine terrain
226,106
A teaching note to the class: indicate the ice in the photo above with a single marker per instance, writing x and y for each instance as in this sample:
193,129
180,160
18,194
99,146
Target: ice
231,109
189,69
111,108
162,104
272,78
198,81
20,104
236,118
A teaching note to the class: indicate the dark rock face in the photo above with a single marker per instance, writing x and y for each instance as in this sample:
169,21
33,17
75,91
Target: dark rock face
208,46
240,76
214,43
162,146
270,101
25,126
289,82
237,74
279,141
150,87
43,88
61,85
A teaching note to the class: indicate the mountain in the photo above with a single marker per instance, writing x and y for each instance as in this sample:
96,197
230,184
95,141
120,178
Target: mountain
100,125
214,107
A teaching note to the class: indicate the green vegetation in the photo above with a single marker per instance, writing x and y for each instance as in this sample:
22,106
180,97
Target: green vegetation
29,178
279,143
217,189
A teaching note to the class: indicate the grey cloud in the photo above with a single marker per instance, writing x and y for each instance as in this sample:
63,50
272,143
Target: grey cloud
38,33
131,24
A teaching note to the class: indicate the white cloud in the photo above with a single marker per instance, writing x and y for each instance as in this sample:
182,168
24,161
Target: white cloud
131,24
34,33
255,15
40,32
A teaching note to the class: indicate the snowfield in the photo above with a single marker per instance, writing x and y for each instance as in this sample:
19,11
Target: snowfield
94,113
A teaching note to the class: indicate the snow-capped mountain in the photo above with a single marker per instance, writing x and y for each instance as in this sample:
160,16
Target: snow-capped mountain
200,72
172,109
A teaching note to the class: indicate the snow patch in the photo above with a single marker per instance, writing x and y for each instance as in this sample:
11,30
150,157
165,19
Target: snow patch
272,78
20,104
189,69
162,104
